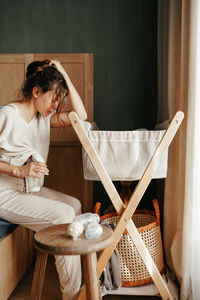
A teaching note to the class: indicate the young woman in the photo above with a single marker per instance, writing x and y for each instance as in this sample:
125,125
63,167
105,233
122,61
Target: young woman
24,143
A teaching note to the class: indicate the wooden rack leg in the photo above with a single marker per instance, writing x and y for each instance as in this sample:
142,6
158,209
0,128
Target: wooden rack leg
125,215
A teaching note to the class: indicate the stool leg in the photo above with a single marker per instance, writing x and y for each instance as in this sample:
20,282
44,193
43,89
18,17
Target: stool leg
38,278
92,280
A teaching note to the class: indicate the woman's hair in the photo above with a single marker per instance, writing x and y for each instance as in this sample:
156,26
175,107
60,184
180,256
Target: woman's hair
46,77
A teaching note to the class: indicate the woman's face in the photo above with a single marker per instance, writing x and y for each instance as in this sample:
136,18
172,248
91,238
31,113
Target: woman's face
46,103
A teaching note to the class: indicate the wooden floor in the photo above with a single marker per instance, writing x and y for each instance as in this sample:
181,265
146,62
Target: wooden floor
51,287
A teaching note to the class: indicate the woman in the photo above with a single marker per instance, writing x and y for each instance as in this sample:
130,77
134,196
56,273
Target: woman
24,142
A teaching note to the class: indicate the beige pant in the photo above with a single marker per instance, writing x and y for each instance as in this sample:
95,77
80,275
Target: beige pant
39,210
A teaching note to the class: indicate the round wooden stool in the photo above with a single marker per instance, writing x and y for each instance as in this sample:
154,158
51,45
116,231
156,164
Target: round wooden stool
54,240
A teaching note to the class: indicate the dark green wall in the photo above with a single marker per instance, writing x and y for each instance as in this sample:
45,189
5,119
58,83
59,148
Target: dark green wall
122,35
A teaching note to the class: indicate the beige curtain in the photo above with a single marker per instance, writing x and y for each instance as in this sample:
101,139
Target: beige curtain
178,90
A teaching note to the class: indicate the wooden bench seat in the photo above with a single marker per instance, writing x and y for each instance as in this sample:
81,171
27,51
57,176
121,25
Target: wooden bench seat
16,255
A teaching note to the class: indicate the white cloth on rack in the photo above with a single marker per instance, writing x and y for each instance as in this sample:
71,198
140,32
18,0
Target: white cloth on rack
124,154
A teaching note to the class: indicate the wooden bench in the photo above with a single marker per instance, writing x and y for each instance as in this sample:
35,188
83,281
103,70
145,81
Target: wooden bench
16,255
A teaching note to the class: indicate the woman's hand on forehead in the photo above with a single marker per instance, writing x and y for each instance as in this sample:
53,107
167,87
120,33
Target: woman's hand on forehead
58,66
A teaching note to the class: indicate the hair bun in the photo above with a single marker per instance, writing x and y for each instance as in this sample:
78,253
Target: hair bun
36,66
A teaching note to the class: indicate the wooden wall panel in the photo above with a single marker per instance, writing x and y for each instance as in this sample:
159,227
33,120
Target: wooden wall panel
65,150
11,78
65,164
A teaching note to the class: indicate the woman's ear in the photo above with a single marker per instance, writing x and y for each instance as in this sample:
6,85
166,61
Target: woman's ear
36,92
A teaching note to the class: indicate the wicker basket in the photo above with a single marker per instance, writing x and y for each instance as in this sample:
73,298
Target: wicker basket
133,270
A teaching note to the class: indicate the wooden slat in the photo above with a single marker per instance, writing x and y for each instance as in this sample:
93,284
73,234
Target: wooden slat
62,57
12,58
89,86
11,78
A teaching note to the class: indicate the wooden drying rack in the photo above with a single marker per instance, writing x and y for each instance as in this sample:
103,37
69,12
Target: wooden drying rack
126,211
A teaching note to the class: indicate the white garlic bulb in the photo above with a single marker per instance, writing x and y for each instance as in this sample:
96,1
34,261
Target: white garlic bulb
74,230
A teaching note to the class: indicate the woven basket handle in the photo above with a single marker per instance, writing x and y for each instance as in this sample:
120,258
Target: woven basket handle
97,208
157,210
